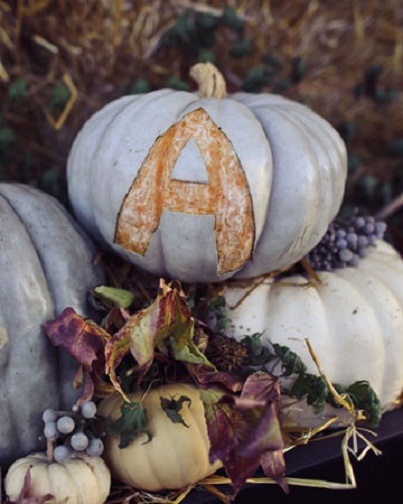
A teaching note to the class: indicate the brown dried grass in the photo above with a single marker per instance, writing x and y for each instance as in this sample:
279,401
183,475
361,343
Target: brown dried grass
96,47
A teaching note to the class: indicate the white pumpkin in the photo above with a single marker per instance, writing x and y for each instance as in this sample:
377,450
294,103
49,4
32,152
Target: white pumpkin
353,320
203,188
80,480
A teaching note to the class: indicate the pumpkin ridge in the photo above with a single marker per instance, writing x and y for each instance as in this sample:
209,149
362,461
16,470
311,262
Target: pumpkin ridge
28,230
69,482
337,182
381,306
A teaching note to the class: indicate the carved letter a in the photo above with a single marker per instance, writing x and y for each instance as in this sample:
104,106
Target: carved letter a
226,196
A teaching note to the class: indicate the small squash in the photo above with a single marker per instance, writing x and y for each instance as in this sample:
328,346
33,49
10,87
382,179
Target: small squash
46,264
79,480
353,319
203,187
175,457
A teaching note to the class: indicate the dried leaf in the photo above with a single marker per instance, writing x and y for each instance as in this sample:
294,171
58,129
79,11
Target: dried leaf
244,431
172,408
83,339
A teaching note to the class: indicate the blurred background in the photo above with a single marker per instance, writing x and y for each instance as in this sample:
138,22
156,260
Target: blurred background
61,60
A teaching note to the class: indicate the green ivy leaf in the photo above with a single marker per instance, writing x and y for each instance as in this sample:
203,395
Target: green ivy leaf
258,354
131,424
217,306
315,389
172,408
292,363
365,398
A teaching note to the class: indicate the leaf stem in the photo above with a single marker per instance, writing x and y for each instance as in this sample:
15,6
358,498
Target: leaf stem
50,450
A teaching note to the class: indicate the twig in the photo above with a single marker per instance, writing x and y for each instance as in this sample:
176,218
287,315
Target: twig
390,208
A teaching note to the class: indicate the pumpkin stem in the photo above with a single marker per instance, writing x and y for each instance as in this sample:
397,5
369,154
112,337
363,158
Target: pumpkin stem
210,80
49,450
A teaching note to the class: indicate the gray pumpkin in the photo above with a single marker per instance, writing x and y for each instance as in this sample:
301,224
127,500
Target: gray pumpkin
46,264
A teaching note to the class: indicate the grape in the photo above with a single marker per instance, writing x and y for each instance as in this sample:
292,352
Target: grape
380,228
49,415
50,431
62,453
65,424
342,243
359,222
95,447
88,409
79,441
346,242
346,255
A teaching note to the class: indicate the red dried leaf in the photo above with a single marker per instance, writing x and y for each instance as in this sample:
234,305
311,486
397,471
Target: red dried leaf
206,375
83,339
244,431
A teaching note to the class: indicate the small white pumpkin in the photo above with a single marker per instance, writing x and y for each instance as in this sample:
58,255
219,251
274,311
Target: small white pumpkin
200,188
79,480
175,457
353,320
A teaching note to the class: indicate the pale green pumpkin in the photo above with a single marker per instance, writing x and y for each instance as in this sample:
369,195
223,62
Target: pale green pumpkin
46,264
204,187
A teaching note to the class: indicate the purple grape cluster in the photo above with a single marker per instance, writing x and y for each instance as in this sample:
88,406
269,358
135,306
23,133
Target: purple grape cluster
346,242
72,433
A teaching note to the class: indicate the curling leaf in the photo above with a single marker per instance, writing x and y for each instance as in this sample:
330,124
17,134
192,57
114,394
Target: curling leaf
365,398
112,296
172,408
292,363
258,354
244,431
83,339
131,424
315,389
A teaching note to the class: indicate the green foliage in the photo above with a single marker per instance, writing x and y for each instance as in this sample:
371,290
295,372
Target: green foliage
313,387
192,31
60,97
241,48
7,139
257,77
17,91
365,399
292,363
217,306
172,408
353,162
141,86
178,84
131,424
196,33
317,394
231,19
206,56
112,296
258,355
